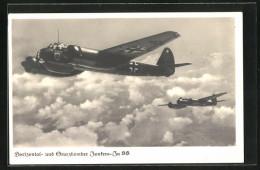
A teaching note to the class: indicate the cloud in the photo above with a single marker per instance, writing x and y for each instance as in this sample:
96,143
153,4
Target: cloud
64,115
24,134
222,116
125,108
151,126
115,135
205,78
175,91
225,116
71,137
127,120
92,97
215,59
178,123
99,105
203,113
150,59
24,105
168,137
37,84
135,95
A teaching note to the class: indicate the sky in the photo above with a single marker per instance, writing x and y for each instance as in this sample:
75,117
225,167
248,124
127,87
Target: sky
98,109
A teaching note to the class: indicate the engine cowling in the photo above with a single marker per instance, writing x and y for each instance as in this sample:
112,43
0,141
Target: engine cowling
214,100
170,104
73,51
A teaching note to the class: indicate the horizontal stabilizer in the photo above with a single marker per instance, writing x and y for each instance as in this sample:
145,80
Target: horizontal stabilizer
182,64
221,100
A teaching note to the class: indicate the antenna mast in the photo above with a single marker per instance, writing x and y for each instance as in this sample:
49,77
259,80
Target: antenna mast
58,37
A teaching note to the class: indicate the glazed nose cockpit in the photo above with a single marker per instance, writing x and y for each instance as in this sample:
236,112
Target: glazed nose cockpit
51,53
37,58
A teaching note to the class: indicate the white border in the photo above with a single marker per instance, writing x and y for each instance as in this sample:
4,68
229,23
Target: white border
140,155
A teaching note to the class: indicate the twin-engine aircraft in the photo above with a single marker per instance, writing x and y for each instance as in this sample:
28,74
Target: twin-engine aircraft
206,101
60,59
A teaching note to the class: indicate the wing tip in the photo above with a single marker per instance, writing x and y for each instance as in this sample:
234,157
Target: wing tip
172,33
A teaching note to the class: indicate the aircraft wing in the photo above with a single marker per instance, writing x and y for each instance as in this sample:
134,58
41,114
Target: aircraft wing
142,46
211,97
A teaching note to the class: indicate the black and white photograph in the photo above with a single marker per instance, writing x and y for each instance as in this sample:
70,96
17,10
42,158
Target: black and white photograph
114,88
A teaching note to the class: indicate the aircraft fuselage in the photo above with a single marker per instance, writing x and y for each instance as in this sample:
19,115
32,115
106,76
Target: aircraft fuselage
60,59
71,60
206,101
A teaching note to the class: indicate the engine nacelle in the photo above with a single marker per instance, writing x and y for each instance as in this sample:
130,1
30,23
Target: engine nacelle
214,100
170,104
78,51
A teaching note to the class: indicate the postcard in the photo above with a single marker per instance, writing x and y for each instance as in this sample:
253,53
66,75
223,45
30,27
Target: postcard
125,88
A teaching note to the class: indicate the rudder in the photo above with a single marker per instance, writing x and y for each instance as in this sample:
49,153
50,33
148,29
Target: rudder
166,62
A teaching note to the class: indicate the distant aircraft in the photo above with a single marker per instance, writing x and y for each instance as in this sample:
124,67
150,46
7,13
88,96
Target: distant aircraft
206,101
60,59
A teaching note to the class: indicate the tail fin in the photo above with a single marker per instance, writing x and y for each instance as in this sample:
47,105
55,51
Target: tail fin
167,64
166,58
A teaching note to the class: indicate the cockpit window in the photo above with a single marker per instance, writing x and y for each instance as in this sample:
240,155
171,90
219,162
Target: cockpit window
52,45
57,46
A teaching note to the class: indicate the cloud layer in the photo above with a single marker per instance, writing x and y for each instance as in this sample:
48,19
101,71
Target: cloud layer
95,109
